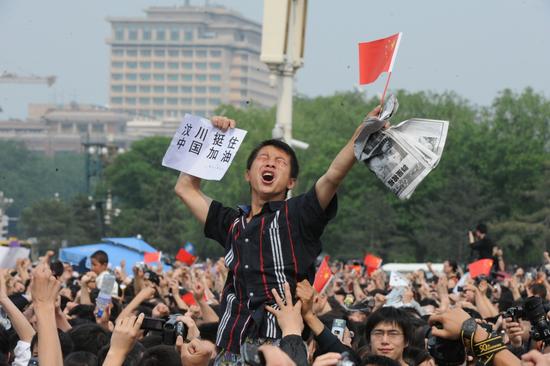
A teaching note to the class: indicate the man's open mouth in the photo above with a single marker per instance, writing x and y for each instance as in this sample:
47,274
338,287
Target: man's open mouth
267,177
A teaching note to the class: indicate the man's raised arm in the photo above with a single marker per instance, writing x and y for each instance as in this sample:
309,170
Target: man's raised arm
328,184
188,187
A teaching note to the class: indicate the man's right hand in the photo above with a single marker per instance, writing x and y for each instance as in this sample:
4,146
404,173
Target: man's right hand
223,123
305,292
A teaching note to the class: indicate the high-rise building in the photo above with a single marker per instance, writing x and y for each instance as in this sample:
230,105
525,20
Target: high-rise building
186,59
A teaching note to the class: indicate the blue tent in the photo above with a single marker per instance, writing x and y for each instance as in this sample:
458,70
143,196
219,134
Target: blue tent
129,249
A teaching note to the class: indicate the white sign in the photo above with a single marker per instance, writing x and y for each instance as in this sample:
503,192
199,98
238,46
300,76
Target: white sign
398,280
9,256
201,150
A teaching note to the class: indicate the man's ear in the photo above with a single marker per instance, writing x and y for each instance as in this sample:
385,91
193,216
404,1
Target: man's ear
291,183
247,175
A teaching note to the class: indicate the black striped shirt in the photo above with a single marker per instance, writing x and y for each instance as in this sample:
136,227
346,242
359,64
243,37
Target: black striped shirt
278,245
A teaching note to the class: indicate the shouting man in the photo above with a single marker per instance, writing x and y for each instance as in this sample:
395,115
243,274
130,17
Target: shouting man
269,242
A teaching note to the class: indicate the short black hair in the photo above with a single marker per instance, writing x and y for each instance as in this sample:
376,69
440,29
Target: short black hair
80,358
162,355
375,360
538,289
453,264
281,145
482,228
390,315
100,256
89,337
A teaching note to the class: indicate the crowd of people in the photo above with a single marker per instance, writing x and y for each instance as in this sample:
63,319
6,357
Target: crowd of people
257,304
50,317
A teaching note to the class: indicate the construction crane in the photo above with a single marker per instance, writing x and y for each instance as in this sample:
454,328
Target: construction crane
12,78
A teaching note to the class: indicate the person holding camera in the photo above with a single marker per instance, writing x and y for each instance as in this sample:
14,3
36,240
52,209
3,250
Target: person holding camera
481,242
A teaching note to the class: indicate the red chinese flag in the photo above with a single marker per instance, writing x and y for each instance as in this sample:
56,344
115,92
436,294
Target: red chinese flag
189,299
323,276
372,263
152,257
377,57
185,257
480,267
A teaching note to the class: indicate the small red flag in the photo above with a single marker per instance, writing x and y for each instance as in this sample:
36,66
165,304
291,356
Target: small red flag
372,263
376,57
323,276
185,257
189,299
152,257
480,267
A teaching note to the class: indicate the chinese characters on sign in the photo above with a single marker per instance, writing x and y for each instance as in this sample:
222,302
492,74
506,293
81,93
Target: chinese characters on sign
202,150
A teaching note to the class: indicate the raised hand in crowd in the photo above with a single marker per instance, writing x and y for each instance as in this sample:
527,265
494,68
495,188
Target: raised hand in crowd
288,314
196,352
124,337
44,291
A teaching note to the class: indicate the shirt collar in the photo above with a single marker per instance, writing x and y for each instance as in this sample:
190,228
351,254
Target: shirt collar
272,206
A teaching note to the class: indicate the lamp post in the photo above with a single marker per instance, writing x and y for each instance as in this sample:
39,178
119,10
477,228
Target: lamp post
283,39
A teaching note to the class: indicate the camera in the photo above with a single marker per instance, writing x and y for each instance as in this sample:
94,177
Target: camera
445,352
251,356
169,328
535,311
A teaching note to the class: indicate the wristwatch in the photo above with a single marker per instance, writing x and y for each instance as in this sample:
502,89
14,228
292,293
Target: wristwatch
467,332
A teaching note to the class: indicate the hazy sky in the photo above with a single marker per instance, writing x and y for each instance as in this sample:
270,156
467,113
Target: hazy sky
474,47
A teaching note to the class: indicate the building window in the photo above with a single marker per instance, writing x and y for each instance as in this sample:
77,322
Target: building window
201,77
172,89
82,128
173,77
215,101
185,101
215,65
144,88
244,57
98,127
117,65
145,52
186,89
189,35
187,53
146,34
244,81
145,77
116,76
132,35
187,77
159,65
214,89
215,77
173,53
201,65
244,69
172,101
173,65
131,65
158,101
215,53
145,65
116,100
119,34
158,114
131,88
116,88
243,93
158,89
131,53
66,127
200,112
117,52
145,101
200,89
187,65
175,35
159,53
161,34
201,53
131,76
200,101
131,101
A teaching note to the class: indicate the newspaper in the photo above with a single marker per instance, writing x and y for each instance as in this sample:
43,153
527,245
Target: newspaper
402,155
